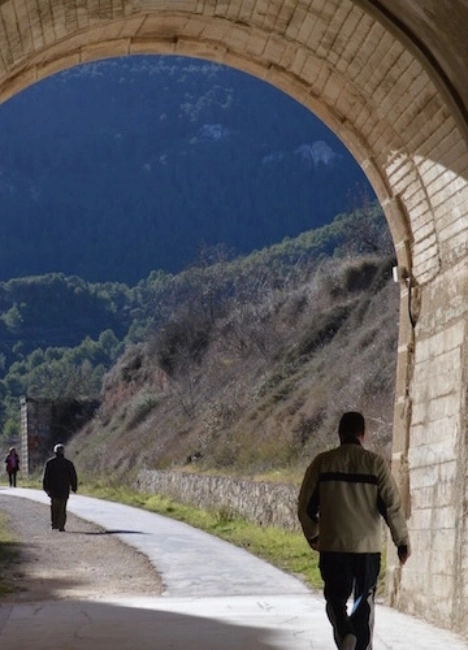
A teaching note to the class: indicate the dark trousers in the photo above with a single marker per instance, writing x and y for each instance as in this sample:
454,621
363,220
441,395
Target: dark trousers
344,574
12,479
58,512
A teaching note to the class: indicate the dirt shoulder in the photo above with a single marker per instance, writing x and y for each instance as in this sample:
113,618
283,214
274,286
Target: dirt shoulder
85,562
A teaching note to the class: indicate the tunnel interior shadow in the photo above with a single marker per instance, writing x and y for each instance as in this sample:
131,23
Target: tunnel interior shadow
85,625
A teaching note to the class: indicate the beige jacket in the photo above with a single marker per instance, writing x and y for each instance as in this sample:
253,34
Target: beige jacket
344,494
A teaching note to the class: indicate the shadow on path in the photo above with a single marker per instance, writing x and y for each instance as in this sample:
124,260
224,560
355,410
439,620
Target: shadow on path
110,532
76,625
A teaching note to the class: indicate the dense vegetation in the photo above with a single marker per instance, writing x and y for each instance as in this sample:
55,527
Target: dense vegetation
59,335
113,169
251,369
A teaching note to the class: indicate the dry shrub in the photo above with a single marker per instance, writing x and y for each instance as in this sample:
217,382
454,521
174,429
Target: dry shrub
263,386
181,343
140,407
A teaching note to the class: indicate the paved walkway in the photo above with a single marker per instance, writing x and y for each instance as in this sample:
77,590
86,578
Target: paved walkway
217,597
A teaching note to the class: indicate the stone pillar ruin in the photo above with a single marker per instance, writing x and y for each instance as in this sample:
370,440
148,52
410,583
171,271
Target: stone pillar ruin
46,422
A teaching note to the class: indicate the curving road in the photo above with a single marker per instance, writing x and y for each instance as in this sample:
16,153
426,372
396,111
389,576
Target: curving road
216,597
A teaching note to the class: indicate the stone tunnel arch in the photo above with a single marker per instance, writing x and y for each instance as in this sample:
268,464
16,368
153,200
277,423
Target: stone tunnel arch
382,93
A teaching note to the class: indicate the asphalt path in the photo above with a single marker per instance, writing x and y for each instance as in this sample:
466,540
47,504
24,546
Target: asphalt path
216,597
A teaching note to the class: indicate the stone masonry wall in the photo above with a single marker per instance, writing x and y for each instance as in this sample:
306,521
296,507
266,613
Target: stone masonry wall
35,434
437,457
268,504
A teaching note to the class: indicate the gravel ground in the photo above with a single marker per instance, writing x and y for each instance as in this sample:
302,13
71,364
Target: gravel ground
85,562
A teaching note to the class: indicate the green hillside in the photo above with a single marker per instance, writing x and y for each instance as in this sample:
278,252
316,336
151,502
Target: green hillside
111,169
250,372
64,338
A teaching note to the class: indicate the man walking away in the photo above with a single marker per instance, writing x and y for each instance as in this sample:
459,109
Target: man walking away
344,493
58,479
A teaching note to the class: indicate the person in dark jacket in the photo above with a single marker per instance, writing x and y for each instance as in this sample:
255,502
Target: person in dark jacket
58,479
12,463
344,495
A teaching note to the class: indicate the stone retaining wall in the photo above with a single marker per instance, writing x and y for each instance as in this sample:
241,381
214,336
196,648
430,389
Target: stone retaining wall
268,504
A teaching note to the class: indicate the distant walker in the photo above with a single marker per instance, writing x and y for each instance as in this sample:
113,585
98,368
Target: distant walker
12,463
58,479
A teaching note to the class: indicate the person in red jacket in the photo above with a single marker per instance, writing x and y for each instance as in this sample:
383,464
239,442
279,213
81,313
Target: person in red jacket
12,463
58,479
344,496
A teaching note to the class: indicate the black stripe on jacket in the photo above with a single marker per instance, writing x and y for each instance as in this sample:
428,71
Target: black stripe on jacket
325,477
348,478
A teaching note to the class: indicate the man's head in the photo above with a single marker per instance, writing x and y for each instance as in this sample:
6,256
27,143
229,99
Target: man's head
352,425
59,449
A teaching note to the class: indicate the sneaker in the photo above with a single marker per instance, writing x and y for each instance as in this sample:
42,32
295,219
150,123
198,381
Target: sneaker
349,642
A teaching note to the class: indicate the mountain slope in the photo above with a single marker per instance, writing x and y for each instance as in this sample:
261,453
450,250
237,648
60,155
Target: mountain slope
59,335
113,169
256,383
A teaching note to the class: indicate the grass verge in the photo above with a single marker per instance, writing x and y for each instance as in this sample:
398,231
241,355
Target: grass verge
9,556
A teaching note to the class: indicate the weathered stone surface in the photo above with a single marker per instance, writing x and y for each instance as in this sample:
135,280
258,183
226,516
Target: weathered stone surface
268,504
